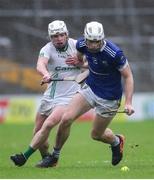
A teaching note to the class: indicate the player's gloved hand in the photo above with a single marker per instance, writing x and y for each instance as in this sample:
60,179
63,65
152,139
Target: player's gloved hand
129,109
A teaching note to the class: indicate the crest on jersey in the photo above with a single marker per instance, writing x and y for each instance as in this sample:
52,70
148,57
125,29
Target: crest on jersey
94,60
105,63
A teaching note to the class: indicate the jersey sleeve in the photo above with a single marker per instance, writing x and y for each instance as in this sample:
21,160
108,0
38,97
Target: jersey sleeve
80,45
44,53
120,61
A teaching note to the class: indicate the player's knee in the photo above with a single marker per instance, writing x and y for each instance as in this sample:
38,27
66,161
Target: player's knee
51,122
67,119
48,126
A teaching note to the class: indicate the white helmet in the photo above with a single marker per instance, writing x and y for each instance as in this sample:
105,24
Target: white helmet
57,27
94,31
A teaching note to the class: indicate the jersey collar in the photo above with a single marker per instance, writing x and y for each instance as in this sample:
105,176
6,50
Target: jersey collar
63,49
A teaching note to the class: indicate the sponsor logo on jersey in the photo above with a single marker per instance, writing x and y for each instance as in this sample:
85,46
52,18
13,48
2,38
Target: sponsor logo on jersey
63,55
59,68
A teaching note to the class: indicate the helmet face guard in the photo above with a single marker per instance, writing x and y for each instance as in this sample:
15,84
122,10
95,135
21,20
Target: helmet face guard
57,27
94,31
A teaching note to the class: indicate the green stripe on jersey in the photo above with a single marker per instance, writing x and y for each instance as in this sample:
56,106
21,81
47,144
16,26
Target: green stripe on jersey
53,86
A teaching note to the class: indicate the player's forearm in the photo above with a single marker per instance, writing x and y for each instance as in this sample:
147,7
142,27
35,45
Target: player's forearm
82,61
41,68
84,65
129,89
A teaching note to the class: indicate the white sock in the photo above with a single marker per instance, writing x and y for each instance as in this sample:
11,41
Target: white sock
116,142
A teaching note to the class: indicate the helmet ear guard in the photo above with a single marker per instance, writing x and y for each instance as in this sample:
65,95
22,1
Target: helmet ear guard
56,27
94,31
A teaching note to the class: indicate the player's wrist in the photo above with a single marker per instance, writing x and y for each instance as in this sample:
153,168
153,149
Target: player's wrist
79,64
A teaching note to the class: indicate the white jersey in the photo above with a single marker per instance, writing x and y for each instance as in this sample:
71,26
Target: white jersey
59,69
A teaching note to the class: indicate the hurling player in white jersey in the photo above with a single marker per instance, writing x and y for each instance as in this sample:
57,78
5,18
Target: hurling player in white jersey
52,61
102,91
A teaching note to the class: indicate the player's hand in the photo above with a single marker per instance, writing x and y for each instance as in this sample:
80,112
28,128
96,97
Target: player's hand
46,79
72,60
129,109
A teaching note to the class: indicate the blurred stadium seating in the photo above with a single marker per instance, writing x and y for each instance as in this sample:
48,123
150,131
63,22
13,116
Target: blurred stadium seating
19,76
129,23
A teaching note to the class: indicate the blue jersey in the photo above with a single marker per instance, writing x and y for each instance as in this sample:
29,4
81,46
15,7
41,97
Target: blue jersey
104,78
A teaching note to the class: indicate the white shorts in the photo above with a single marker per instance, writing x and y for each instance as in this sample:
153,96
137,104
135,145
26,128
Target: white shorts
101,105
48,104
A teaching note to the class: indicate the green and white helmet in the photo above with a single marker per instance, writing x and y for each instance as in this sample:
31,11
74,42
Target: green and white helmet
56,27
94,31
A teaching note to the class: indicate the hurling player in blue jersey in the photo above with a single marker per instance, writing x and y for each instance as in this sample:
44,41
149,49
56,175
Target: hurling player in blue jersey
103,90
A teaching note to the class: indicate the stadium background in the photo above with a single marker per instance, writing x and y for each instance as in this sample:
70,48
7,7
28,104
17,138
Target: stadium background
23,31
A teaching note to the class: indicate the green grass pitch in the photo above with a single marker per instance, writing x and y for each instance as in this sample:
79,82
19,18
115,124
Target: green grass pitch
81,157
